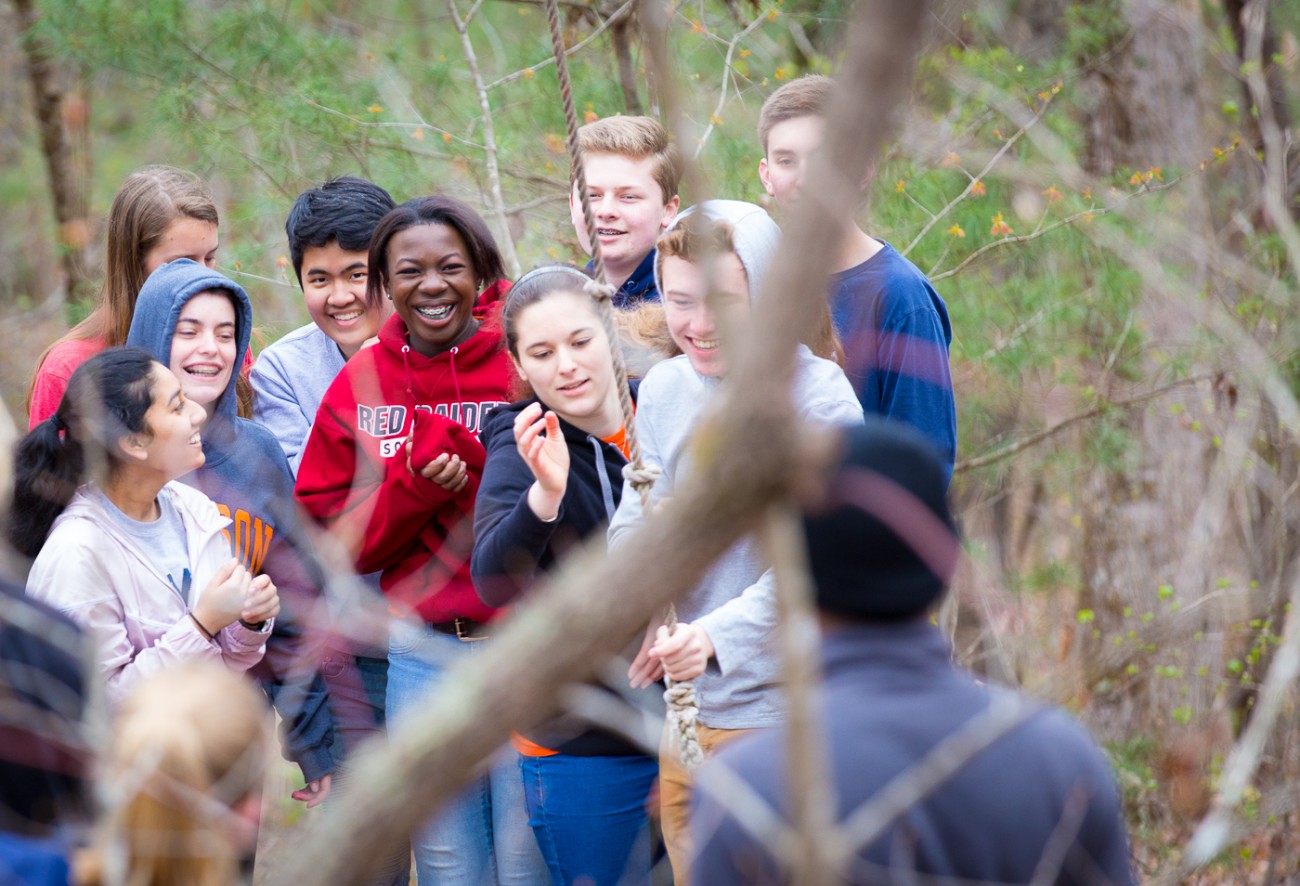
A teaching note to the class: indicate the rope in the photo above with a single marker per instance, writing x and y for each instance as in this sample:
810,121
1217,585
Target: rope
683,706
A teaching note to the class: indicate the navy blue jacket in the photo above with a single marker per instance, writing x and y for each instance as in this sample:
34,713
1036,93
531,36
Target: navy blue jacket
246,474
511,545
638,288
891,695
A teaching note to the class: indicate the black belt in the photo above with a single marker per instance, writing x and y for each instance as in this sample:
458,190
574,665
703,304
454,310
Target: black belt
464,629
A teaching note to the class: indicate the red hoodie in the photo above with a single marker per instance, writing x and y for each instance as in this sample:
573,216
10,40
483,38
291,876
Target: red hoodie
354,477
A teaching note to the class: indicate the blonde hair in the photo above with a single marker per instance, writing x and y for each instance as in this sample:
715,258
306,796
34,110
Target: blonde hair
189,744
635,138
695,237
809,96
145,206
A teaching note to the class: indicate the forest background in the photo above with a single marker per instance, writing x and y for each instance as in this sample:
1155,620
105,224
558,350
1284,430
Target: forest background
1104,193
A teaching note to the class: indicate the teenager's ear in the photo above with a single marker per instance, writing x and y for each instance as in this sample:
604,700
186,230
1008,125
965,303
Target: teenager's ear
670,212
134,446
762,176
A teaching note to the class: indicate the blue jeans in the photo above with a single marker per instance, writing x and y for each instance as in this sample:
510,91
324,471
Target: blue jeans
481,837
590,818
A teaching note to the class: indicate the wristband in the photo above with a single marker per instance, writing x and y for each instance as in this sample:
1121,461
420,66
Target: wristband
211,636
257,628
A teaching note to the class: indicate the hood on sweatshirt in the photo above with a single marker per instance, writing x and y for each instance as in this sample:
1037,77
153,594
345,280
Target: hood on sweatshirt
753,233
159,307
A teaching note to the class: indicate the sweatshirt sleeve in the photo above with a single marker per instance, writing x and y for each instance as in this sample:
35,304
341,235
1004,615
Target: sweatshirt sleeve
509,539
739,628
289,671
276,406
915,380
377,510
78,583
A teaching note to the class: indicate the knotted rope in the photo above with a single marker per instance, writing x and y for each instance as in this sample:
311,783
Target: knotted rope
683,706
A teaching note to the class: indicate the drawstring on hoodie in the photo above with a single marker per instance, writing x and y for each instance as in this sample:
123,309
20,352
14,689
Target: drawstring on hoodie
406,364
455,380
606,491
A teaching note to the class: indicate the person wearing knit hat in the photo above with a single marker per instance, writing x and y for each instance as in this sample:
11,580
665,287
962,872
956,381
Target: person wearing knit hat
983,783
722,640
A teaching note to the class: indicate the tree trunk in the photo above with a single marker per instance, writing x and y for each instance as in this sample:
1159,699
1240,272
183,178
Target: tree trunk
51,105
619,36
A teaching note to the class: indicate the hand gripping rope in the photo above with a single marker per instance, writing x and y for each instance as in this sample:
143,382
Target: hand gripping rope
683,707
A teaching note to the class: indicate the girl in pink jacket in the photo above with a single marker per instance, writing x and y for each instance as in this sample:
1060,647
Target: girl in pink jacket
137,560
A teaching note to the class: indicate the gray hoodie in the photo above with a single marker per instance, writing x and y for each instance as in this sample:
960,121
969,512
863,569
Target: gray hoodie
735,601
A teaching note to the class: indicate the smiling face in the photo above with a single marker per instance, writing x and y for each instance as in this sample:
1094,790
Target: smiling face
563,353
790,145
172,445
203,347
628,206
433,286
334,286
185,237
691,321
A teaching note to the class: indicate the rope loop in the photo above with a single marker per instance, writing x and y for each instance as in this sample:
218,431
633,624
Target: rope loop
599,290
640,475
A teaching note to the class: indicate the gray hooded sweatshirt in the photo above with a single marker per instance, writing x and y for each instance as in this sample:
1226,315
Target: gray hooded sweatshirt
735,602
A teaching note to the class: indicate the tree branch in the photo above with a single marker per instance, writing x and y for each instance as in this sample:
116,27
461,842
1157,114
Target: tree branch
498,214
617,15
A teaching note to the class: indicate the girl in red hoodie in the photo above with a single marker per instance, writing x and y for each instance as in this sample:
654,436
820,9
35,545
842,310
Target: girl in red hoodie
392,467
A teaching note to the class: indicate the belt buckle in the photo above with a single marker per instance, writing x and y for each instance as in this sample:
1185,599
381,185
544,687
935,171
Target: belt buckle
463,631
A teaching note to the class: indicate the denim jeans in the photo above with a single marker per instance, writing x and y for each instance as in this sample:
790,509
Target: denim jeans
358,689
482,837
590,817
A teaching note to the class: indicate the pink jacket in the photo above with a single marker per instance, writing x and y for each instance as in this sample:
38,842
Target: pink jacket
101,578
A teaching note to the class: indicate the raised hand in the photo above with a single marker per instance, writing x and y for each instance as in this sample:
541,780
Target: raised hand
541,445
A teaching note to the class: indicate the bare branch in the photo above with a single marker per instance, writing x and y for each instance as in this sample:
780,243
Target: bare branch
1047,433
498,214
617,15
716,116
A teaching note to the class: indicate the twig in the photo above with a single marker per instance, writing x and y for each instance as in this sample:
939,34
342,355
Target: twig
937,217
392,124
504,240
726,74
1146,188
604,26
1047,433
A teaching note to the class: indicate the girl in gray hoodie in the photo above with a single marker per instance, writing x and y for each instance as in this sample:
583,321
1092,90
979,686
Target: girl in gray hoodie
723,640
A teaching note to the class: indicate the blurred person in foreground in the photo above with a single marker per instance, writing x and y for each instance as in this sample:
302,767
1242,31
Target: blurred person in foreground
183,781
44,755
1030,798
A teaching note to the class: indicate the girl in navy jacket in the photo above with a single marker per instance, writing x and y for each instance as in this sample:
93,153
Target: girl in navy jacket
553,478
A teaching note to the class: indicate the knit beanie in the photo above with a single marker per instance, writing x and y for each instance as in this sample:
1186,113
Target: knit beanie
884,545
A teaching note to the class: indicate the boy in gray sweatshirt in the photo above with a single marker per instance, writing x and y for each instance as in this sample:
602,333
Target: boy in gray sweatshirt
723,639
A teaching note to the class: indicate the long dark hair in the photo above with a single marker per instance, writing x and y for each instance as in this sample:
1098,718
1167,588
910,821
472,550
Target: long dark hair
107,397
483,252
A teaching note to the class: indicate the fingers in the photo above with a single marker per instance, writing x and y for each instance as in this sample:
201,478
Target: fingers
525,419
262,601
684,654
448,471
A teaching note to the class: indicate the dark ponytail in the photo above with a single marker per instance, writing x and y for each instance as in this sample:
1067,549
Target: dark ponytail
107,398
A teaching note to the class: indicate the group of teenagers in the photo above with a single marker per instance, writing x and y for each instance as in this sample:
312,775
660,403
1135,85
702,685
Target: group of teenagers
447,435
